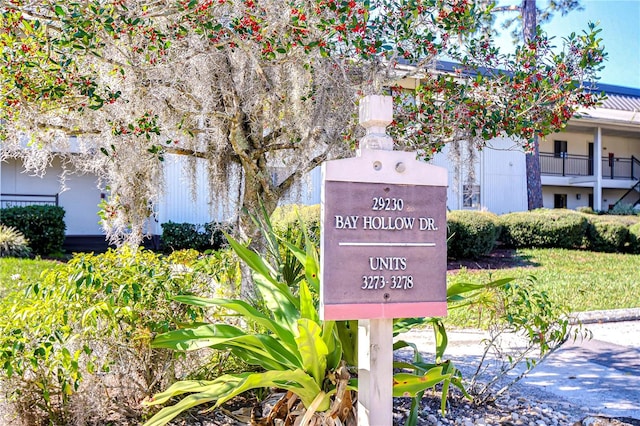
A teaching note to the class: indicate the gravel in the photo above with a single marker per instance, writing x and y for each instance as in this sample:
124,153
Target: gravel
515,408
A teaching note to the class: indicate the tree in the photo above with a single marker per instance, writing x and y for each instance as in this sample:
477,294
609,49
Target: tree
528,13
255,84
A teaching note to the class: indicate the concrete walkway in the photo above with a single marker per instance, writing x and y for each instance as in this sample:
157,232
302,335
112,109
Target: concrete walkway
600,376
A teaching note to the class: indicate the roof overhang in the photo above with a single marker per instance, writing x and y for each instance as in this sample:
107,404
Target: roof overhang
620,123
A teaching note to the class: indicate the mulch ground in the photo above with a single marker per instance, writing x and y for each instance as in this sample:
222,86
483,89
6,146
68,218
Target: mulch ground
498,259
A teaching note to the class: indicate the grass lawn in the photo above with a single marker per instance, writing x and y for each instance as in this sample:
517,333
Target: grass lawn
581,280
15,272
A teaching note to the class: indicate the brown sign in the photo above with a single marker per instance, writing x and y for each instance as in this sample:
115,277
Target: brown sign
383,250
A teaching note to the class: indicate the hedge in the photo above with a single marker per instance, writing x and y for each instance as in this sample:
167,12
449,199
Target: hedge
182,236
634,239
606,236
43,226
543,228
471,234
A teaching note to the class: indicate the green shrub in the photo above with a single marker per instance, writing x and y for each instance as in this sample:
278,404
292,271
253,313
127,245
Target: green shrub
634,239
43,226
184,236
606,236
471,234
13,243
94,314
626,220
286,220
586,210
623,209
543,228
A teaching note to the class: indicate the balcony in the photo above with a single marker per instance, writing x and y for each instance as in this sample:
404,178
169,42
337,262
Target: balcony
571,165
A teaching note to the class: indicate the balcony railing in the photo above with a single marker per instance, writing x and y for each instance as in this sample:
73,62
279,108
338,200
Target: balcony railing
22,200
563,164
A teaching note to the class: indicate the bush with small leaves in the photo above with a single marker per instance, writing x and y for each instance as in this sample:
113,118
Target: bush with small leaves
633,245
586,210
43,226
606,236
543,228
80,336
13,243
471,234
185,236
520,307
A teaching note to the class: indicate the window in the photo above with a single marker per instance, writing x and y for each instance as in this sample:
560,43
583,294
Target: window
559,201
560,149
471,196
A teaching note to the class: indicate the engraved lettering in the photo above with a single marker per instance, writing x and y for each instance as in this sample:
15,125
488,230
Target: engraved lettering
389,204
388,263
428,224
346,222
385,223
408,222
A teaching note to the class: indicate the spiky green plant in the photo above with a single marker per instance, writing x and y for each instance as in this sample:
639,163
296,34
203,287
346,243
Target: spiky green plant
297,351
13,243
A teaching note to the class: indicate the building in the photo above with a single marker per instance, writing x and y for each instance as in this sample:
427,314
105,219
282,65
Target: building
595,162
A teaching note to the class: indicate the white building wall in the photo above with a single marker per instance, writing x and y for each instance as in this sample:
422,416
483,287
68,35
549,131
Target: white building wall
178,203
500,171
503,177
454,197
80,200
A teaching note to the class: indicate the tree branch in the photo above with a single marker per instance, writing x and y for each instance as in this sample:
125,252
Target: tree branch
512,8
185,151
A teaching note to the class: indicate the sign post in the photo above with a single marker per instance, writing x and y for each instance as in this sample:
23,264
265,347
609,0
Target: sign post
383,249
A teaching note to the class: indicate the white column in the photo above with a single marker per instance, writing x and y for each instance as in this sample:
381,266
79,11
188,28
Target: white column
375,336
597,169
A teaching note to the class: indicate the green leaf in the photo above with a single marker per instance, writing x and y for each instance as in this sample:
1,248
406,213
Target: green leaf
442,341
207,392
196,337
408,385
313,350
228,386
348,335
334,346
252,259
277,296
455,290
247,311
307,306
265,350
279,300
59,11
